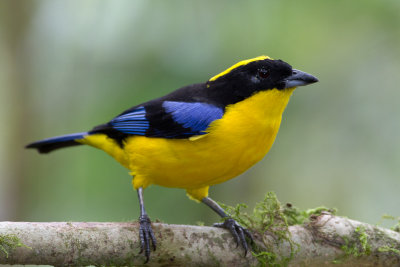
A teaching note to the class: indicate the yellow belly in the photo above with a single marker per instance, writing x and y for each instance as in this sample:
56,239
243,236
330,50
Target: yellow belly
233,144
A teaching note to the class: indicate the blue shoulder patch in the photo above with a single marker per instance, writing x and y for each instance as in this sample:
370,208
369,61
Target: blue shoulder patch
196,116
133,122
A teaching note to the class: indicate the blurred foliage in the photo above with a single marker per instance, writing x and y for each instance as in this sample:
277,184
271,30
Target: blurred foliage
69,65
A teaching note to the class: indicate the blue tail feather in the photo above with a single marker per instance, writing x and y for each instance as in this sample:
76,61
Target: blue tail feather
50,144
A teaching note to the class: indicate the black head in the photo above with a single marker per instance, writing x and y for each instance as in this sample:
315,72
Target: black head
258,74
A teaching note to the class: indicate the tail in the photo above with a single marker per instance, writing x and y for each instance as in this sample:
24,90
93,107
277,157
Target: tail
50,144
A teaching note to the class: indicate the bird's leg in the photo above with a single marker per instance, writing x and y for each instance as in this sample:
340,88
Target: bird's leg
145,232
233,226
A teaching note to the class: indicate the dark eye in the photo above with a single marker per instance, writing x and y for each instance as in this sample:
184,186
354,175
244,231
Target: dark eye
263,73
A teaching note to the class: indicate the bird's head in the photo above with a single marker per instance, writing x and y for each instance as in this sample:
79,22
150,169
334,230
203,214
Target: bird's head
259,74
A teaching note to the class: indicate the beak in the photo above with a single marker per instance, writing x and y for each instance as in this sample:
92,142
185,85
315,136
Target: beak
299,78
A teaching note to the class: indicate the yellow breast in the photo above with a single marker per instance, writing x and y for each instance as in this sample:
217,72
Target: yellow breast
233,144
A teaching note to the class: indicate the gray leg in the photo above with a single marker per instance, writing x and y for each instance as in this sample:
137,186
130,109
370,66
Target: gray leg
145,232
215,207
233,226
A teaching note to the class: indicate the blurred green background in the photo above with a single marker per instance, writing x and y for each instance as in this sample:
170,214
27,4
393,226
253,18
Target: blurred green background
66,66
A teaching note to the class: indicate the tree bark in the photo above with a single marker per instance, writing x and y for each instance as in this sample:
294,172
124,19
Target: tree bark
324,240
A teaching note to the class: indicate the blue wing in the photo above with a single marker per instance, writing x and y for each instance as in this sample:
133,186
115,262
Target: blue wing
194,116
134,122
167,119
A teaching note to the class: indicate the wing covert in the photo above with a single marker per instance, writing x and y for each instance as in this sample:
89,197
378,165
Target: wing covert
195,117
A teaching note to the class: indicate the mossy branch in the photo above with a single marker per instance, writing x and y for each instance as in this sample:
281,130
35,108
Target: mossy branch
324,239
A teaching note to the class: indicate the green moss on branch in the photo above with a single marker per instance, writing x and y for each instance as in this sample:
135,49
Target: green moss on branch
10,242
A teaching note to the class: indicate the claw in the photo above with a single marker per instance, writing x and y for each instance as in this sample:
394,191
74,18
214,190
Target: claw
238,233
146,234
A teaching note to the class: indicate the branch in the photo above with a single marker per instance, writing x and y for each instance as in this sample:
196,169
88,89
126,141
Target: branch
325,239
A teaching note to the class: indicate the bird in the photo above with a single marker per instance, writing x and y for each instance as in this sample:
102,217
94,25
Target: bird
197,136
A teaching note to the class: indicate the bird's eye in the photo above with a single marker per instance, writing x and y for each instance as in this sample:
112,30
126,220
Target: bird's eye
263,73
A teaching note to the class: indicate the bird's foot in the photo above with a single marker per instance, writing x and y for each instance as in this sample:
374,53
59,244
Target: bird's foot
146,235
238,232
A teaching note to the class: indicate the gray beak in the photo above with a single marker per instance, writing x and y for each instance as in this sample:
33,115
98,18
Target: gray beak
299,78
